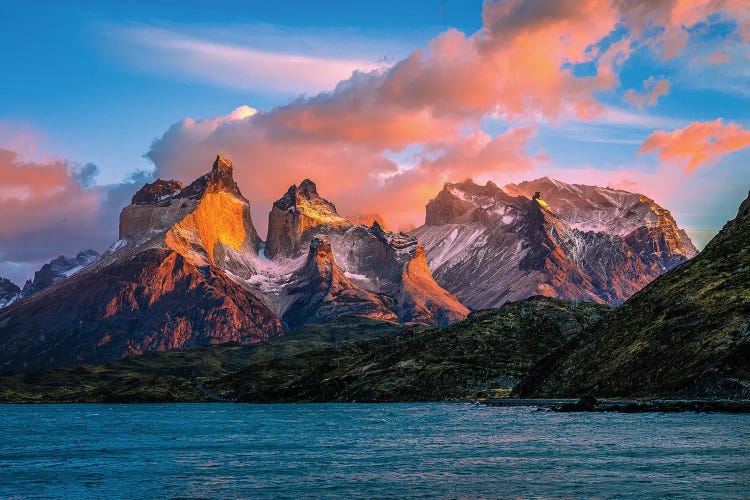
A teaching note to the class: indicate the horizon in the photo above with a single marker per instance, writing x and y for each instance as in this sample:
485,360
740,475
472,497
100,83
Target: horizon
651,102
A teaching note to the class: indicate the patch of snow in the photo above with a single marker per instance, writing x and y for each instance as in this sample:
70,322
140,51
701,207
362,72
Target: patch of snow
71,272
355,276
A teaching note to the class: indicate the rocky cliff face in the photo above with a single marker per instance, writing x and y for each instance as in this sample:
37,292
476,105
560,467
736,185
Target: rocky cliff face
8,291
490,245
164,285
297,214
687,334
155,300
208,222
322,265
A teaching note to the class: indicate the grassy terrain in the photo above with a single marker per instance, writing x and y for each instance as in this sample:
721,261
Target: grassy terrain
178,375
486,354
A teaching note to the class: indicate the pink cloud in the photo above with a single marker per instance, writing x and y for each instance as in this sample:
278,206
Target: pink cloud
35,196
652,90
697,145
520,66
718,58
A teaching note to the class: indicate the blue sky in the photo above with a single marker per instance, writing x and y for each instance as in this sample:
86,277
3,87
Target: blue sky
111,84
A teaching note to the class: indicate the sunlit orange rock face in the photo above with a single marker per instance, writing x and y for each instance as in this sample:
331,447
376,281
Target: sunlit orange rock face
199,221
294,215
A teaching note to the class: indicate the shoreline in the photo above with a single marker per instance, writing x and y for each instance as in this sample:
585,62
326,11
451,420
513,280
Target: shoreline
592,405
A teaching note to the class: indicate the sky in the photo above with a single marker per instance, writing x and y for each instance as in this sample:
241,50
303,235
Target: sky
379,103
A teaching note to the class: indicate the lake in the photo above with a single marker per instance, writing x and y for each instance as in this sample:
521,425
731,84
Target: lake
359,450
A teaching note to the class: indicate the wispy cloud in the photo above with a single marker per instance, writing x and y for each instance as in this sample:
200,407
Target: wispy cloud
253,57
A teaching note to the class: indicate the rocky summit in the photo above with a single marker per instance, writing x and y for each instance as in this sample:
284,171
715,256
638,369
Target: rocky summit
163,285
685,335
318,264
489,245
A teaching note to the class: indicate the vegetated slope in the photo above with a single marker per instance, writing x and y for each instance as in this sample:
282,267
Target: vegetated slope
177,375
686,334
490,350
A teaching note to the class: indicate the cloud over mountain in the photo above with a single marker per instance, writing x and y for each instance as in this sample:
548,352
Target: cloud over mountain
419,122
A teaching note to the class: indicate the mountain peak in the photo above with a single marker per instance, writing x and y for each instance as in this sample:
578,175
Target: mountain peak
308,187
222,163
299,211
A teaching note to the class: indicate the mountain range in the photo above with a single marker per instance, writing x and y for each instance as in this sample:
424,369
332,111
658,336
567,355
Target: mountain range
189,268
683,336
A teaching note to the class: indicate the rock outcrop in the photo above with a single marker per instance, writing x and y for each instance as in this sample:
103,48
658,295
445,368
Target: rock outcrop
295,216
490,245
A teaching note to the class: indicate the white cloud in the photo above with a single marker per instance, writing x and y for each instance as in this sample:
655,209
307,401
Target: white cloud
253,57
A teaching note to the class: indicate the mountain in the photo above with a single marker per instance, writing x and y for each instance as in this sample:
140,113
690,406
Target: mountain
8,291
57,269
687,334
189,269
486,354
50,273
489,245
162,286
316,265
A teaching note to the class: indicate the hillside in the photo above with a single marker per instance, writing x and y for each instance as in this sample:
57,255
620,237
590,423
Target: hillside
686,334
485,354
174,376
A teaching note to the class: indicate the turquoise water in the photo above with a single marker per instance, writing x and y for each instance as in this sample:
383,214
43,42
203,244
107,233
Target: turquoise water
349,450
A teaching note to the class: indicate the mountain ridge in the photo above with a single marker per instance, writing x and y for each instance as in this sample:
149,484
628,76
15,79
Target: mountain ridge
488,245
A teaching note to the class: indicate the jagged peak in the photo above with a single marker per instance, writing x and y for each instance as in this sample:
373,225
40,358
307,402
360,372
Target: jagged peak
308,187
219,179
304,198
222,163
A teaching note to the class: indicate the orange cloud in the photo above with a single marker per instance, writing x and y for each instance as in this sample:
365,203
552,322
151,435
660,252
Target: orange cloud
675,17
697,145
653,89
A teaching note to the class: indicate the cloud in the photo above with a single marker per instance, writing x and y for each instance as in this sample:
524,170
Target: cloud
718,58
208,59
698,145
51,208
652,90
532,61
